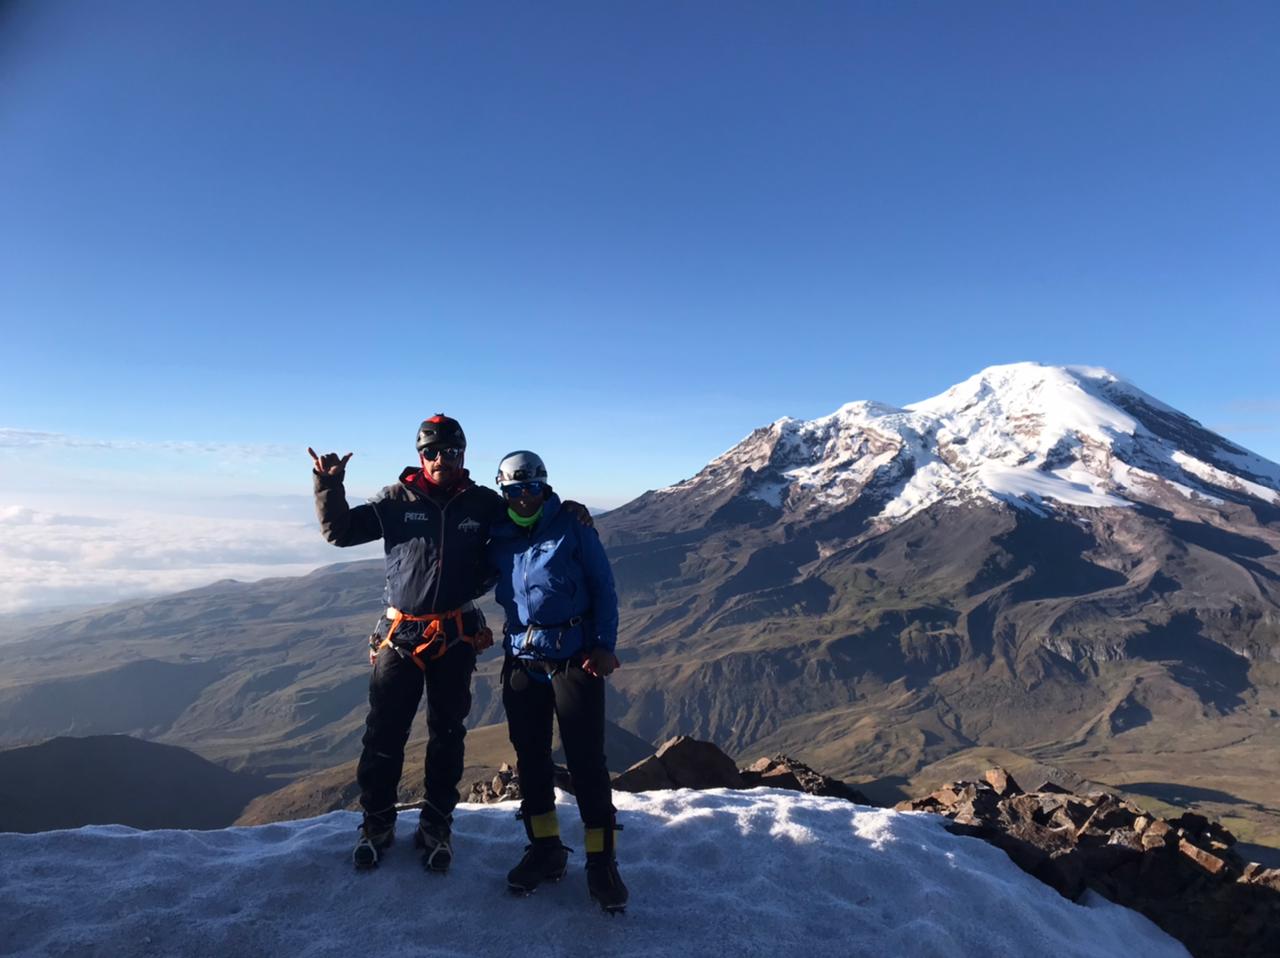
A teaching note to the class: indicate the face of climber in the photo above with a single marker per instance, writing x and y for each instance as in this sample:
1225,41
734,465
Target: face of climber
525,498
442,464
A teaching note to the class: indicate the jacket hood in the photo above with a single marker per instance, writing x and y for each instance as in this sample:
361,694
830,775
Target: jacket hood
412,478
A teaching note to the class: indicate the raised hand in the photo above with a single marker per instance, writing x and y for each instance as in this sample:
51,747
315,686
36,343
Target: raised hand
329,464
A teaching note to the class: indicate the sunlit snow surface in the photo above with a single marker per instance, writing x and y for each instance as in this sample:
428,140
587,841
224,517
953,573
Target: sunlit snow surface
1024,434
764,872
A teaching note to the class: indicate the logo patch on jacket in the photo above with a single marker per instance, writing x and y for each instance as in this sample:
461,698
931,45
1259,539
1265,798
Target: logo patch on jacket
468,525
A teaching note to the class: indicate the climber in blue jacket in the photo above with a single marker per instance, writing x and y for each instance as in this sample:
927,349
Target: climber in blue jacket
556,589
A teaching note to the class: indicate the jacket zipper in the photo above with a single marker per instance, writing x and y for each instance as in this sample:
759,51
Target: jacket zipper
440,567
525,574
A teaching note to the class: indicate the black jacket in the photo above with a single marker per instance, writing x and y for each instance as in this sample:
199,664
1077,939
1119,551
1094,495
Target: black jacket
434,542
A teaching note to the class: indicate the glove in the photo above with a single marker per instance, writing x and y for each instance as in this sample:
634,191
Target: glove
600,663
483,639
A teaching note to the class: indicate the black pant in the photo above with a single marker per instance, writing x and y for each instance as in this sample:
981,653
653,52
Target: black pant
577,701
395,689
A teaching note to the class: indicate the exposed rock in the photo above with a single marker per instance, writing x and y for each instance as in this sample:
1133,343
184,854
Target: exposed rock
1053,788
1071,813
1127,838
1183,874
1108,814
1209,862
1255,874
1158,834
505,785
976,805
1190,822
695,764
646,775
684,762
946,796
1002,782
681,762
782,771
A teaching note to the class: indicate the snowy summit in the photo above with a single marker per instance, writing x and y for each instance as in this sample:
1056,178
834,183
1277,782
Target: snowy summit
1032,436
763,872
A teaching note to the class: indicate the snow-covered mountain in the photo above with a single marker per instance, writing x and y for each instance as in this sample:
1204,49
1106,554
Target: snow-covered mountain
763,872
1035,437
1043,559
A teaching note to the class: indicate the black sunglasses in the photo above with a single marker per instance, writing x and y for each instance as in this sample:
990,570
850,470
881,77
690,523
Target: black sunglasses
452,454
514,490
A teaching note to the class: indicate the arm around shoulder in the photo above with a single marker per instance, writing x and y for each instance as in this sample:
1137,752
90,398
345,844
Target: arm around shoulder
604,595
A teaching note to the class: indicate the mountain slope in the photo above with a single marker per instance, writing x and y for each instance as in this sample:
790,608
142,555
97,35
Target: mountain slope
113,779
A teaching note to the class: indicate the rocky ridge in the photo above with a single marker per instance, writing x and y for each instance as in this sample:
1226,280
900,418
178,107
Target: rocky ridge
683,762
1182,873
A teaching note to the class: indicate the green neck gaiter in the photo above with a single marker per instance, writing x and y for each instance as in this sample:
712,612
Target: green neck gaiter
524,522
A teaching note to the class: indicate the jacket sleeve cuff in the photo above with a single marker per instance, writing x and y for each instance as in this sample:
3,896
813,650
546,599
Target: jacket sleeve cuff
322,482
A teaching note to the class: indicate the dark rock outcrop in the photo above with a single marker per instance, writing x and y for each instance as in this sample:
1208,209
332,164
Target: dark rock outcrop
681,762
505,785
1182,873
782,771
684,762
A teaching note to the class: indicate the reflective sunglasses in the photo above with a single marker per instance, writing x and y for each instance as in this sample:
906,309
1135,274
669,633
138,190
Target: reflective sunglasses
452,454
514,490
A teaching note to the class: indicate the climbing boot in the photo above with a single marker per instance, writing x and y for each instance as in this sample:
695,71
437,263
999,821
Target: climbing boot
433,840
376,835
545,857
604,884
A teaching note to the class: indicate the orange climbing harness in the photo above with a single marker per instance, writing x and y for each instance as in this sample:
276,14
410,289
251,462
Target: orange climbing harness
435,640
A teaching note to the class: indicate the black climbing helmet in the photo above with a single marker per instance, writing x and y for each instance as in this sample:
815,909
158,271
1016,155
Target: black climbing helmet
521,466
441,431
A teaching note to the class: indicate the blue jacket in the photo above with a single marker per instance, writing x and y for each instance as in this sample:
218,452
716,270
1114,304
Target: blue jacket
555,586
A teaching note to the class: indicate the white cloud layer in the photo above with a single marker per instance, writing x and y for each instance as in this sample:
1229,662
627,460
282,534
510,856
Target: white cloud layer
50,559
11,438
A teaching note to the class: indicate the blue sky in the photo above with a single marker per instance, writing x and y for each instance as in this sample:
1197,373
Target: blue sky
621,234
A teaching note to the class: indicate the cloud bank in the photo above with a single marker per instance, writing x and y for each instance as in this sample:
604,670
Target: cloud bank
50,559
11,438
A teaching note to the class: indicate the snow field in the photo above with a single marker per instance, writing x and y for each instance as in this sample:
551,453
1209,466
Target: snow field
761,872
